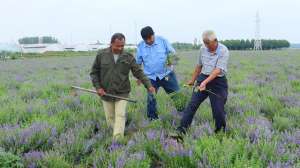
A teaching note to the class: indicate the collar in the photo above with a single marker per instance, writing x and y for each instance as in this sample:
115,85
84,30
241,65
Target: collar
110,51
215,52
154,43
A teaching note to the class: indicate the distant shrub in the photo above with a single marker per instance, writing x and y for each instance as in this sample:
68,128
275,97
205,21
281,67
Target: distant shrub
180,100
54,160
9,160
282,123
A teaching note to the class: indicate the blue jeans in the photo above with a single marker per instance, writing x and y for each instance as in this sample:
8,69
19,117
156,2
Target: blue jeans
170,85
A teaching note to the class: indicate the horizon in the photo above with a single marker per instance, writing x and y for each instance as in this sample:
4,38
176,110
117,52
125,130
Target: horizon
79,21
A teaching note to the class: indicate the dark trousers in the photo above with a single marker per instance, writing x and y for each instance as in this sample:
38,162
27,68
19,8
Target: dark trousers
218,86
170,85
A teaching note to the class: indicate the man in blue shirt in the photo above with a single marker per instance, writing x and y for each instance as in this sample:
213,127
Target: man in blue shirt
153,53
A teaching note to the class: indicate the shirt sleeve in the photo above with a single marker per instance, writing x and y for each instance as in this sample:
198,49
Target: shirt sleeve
139,74
200,58
95,72
223,60
138,57
169,47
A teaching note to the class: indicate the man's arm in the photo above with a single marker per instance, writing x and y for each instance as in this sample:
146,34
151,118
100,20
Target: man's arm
95,72
139,74
172,58
213,75
138,56
95,75
139,61
196,72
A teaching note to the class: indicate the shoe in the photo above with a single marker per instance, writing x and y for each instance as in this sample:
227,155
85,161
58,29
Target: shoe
153,118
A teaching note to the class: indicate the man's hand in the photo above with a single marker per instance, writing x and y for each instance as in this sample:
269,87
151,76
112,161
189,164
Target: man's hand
202,86
100,92
190,82
152,90
138,82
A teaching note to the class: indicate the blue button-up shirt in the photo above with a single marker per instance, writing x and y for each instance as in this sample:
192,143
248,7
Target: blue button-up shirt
154,57
209,61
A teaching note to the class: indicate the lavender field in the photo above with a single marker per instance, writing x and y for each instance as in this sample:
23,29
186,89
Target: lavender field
43,123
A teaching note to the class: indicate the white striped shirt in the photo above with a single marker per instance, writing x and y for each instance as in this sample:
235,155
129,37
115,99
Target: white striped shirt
209,61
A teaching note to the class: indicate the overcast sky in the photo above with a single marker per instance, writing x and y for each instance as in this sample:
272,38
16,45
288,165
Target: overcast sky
75,21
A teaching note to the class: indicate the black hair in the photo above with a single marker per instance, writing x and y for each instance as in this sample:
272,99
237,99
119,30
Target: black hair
147,32
118,36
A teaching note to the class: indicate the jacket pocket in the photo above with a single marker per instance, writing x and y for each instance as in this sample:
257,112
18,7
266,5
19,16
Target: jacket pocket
124,67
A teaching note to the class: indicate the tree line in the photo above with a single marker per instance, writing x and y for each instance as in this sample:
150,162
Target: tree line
267,44
38,40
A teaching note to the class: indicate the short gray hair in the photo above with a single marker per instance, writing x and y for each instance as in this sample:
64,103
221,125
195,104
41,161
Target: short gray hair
209,35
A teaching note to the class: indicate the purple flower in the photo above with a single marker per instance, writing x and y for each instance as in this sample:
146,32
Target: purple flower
204,162
279,164
25,135
151,134
173,148
9,128
88,146
280,149
263,122
46,101
290,101
29,109
138,156
121,162
251,120
32,165
53,132
292,138
67,138
34,155
131,143
110,166
145,123
31,158
256,80
176,114
73,103
202,130
292,77
254,136
39,126
114,146
20,78
236,95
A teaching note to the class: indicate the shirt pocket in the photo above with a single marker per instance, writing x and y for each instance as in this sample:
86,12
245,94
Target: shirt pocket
161,51
209,62
161,56
105,62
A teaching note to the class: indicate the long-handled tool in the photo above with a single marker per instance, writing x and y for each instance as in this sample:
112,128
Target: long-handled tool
106,94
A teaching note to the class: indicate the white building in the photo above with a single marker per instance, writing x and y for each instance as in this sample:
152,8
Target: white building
41,48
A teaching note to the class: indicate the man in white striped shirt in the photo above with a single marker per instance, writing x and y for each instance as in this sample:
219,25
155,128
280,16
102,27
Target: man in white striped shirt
210,74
